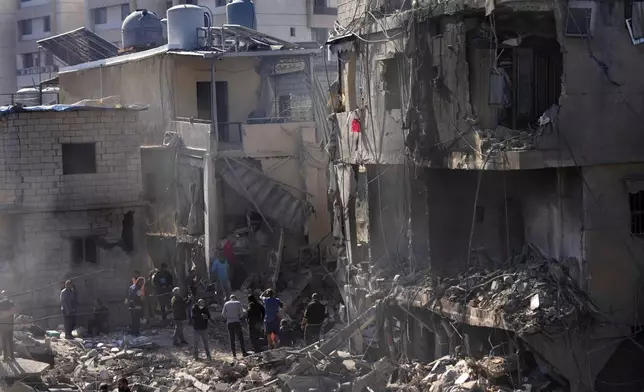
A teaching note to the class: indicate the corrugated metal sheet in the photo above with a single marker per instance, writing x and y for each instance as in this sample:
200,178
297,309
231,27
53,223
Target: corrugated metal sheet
271,198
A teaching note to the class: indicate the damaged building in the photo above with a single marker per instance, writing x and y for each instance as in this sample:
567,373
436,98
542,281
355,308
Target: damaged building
488,169
71,205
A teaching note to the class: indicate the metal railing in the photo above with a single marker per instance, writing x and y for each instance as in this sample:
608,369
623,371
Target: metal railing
38,70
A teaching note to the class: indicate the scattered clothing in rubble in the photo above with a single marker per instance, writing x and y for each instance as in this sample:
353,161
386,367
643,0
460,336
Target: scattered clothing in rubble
286,338
135,305
314,316
255,318
99,323
200,318
163,283
7,314
68,302
179,307
233,312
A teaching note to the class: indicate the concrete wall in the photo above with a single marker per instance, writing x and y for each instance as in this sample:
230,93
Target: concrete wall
47,209
614,256
32,168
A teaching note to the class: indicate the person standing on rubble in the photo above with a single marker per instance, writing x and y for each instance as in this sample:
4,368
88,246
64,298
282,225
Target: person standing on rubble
7,314
68,303
135,305
200,318
233,312
272,306
255,317
179,307
163,283
314,316
220,272
191,287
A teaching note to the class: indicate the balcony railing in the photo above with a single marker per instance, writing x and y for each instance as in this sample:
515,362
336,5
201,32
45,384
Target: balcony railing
38,70
317,10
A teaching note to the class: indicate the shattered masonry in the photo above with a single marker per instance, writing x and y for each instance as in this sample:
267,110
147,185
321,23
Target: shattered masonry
482,188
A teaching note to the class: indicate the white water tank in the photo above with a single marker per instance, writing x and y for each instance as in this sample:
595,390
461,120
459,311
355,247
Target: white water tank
8,26
183,22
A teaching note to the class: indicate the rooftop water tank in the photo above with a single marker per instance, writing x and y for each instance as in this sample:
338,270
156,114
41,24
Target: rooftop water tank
142,29
241,12
183,23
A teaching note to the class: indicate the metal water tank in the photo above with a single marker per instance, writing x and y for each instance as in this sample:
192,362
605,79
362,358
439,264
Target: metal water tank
241,12
142,29
164,23
183,23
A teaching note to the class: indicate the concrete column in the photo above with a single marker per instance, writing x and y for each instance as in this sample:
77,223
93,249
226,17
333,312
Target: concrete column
349,83
210,180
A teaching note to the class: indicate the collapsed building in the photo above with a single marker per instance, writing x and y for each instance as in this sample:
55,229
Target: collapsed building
476,183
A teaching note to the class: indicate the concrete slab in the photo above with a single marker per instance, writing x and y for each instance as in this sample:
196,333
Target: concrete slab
21,367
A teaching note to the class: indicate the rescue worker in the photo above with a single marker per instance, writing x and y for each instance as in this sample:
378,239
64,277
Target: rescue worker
220,272
7,313
200,318
272,306
255,317
163,283
233,312
314,316
179,307
135,305
68,301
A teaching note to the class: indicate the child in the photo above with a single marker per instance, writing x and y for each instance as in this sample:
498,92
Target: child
285,335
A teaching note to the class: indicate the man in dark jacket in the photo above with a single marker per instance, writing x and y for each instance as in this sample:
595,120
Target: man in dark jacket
135,305
68,303
179,307
200,318
255,317
163,284
314,316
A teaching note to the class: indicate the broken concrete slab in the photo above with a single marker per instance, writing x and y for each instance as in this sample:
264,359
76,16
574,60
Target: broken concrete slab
312,383
21,368
376,379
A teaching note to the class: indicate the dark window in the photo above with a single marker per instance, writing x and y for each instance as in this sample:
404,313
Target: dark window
25,27
79,158
285,106
391,82
195,2
99,15
168,5
220,3
28,60
204,105
84,250
578,21
636,203
292,31
46,24
125,10
49,59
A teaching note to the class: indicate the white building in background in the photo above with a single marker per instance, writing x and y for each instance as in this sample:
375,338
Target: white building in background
34,20
290,20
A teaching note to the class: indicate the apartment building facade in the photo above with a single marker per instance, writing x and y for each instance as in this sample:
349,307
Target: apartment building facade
35,20
470,131
290,20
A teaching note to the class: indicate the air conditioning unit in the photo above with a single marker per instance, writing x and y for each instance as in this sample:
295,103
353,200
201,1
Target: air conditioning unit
580,21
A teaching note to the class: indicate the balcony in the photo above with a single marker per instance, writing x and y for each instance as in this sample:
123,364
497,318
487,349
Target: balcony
38,70
250,139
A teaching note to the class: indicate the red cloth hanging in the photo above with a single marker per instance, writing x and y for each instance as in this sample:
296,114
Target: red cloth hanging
356,127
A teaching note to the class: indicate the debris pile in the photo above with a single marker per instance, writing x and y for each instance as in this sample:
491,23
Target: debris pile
451,374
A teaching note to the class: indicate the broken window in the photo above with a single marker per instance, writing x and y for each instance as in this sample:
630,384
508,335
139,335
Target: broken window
79,158
580,20
636,203
204,106
391,82
84,250
524,77
634,15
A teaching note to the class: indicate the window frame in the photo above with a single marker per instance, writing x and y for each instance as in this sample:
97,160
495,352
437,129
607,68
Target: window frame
96,12
70,167
83,256
124,14
22,24
46,24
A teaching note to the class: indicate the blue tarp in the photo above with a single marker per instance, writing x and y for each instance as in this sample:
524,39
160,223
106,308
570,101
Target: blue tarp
10,109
